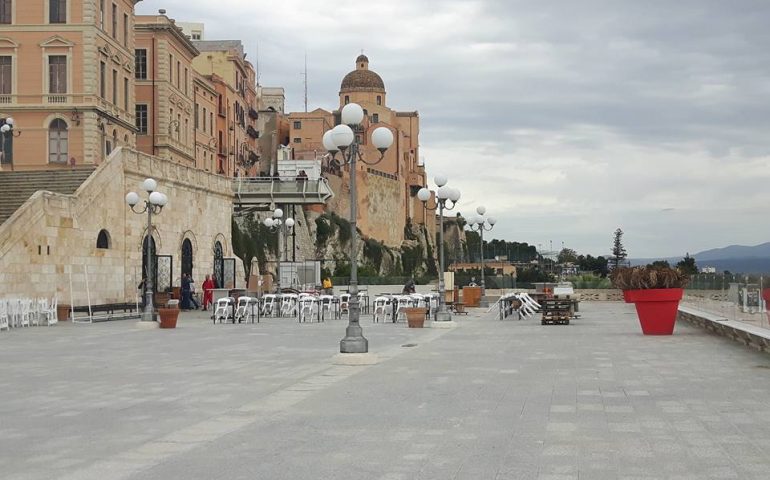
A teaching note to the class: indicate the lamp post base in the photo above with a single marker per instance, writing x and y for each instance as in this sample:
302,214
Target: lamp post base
354,341
148,317
443,317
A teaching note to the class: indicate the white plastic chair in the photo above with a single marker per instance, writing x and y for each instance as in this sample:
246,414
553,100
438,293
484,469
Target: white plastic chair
307,306
402,302
345,303
4,324
268,304
24,312
382,308
326,305
242,309
289,304
50,313
222,310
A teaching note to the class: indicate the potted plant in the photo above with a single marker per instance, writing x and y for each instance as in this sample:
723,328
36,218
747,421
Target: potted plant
656,292
415,316
169,314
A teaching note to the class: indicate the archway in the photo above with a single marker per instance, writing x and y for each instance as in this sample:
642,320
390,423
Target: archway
219,264
187,257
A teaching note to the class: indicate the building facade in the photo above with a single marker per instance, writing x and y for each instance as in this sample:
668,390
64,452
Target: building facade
387,190
165,90
67,79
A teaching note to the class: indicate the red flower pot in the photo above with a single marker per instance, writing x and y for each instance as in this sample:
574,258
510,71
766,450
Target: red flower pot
656,309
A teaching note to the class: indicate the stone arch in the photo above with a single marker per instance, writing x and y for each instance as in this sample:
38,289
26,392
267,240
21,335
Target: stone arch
103,239
155,236
225,244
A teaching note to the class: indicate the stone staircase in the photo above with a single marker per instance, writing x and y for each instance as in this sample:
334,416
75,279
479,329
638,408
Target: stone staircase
17,187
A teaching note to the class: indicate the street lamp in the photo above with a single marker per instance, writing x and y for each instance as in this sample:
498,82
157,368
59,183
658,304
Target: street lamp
343,139
7,131
446,199
153,205
283,227
482,224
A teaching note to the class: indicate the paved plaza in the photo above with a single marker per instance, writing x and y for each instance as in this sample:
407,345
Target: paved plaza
486,400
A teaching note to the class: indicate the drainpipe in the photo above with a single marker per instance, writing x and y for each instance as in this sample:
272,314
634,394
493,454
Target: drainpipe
154,100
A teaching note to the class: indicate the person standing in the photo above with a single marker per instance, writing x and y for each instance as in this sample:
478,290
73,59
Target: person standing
327,286
195,304
208,292
185,292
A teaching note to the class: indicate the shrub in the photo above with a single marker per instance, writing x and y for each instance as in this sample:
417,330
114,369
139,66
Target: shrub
642,278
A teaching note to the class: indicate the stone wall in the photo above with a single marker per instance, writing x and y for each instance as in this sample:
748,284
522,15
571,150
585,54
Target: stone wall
53,236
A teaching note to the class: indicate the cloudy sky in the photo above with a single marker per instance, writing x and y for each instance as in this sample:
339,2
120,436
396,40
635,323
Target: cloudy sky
566,118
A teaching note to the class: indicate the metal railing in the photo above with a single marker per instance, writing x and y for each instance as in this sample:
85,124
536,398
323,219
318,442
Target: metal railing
279,189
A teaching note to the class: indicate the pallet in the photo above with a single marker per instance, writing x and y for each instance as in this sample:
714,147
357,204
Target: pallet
556,311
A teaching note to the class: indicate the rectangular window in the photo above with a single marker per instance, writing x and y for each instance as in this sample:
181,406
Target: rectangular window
102,79
297,125
126,93
115,87
125,29
196,116
170,68
297,140
204,119
114,21
178,73
6,75
141,119
140,63
211,123
57,74
57,11
376,118
185,81
101,14
5,12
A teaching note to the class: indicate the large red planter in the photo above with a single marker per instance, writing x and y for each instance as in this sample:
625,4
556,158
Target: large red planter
656,309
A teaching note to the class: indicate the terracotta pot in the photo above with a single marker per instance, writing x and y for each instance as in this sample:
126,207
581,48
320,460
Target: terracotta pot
168,317
656,309
63,312
415,316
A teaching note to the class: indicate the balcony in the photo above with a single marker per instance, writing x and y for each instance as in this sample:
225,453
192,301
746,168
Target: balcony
260,191
253,114
252,132
253,158
57,98
6,99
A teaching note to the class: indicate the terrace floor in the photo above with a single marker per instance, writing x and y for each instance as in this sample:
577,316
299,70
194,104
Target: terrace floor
489,399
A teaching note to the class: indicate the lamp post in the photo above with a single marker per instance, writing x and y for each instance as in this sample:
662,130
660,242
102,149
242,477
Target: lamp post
343,138
283,227
481,224
446,199
8,132
153,205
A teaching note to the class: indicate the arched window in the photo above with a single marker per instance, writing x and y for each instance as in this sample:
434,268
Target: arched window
219,265
57,141
187,257
103,239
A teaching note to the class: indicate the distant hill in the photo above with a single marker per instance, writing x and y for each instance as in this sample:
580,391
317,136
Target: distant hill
735,258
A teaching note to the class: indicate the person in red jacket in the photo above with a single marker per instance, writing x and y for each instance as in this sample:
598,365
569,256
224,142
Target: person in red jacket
208,292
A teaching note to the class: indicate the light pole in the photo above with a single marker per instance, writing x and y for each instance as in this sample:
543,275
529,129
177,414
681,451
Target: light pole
153,205
283,227
344,139
444,195
7,132
481,224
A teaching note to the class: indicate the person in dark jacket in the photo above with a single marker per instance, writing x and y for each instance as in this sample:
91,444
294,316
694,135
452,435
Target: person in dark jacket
185,292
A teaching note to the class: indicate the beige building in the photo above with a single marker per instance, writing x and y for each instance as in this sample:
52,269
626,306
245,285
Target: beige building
500,267
165,90
388,190
67,79
234,79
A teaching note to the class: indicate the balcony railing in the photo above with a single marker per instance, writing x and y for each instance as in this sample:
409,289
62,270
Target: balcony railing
58,98
5,99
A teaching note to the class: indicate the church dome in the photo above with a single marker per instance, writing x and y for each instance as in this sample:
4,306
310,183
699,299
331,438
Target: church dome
362,79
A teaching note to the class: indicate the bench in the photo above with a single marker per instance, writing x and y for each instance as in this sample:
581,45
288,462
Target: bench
108,310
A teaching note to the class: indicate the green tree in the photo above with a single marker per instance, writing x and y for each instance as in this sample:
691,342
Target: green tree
687,265
589,263
567,255
618,250
660,264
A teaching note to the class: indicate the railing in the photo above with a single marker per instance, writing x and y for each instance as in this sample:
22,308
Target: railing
5,99
733,297
58,99
278,188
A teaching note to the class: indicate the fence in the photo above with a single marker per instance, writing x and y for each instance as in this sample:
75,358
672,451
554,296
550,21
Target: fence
734,297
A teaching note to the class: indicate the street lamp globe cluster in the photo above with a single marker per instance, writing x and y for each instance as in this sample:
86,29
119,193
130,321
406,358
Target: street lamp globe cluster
283,227
343,139
446,199
152,206
7,125
480,223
